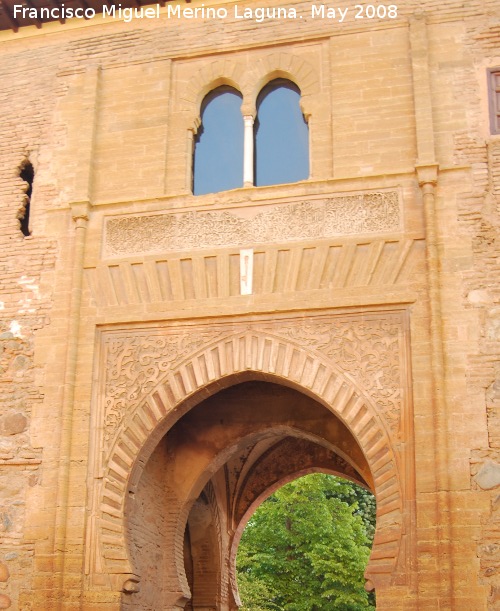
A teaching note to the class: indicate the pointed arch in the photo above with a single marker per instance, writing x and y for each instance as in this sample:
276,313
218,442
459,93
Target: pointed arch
249,355
281,66
209,77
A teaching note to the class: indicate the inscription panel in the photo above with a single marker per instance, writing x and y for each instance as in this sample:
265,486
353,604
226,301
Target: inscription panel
338,215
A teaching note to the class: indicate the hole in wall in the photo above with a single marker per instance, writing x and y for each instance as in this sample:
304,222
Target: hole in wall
27,173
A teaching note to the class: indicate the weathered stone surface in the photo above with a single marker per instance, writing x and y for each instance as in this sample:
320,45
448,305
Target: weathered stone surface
5,601
495,595
479,296
12,424
493,325
4,572
488,476
493,392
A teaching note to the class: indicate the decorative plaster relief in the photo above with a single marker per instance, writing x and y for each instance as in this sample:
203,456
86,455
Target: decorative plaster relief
289,456
338,215
136,363
369,349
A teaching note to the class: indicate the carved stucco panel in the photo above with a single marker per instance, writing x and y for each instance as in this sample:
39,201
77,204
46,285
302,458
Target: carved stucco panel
370,349
135,365
362,213
291,455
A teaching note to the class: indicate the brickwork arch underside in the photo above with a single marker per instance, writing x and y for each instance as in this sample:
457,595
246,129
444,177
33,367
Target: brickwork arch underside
234,358
241,443
290,458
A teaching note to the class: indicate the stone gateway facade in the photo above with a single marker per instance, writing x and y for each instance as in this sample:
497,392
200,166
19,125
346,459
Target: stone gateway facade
167,360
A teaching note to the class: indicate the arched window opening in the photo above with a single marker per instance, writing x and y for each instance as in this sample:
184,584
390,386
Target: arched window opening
218,152
308,543
281,135
27,174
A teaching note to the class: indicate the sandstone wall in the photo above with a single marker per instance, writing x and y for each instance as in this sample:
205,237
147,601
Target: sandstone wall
104,113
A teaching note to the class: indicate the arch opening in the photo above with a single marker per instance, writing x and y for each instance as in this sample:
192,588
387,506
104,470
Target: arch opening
207,475
307,546
218,149
281,135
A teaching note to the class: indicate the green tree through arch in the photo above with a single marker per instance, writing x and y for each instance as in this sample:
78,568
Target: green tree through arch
306,548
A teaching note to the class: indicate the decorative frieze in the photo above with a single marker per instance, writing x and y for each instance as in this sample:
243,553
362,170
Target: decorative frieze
337,215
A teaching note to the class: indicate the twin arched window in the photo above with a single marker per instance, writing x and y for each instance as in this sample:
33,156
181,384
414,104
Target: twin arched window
230,152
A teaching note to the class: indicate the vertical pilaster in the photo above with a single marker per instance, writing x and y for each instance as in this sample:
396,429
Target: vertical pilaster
427,174
422,96
82,147
167,110
83,139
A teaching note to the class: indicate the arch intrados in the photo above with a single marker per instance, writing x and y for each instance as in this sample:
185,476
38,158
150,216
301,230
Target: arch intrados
228,452
210,87
184,406
201,530
217,463
279,432
225,455
181,409
299,433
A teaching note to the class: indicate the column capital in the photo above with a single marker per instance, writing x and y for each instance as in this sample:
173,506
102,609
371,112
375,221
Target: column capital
427,174
248,110
80,211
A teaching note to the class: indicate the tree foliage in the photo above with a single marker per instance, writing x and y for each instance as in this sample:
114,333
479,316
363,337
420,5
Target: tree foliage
306,548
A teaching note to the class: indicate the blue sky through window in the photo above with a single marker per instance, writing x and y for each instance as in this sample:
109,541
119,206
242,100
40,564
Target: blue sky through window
282,136
218,158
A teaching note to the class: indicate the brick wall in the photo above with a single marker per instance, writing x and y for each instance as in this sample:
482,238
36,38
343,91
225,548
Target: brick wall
129,153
